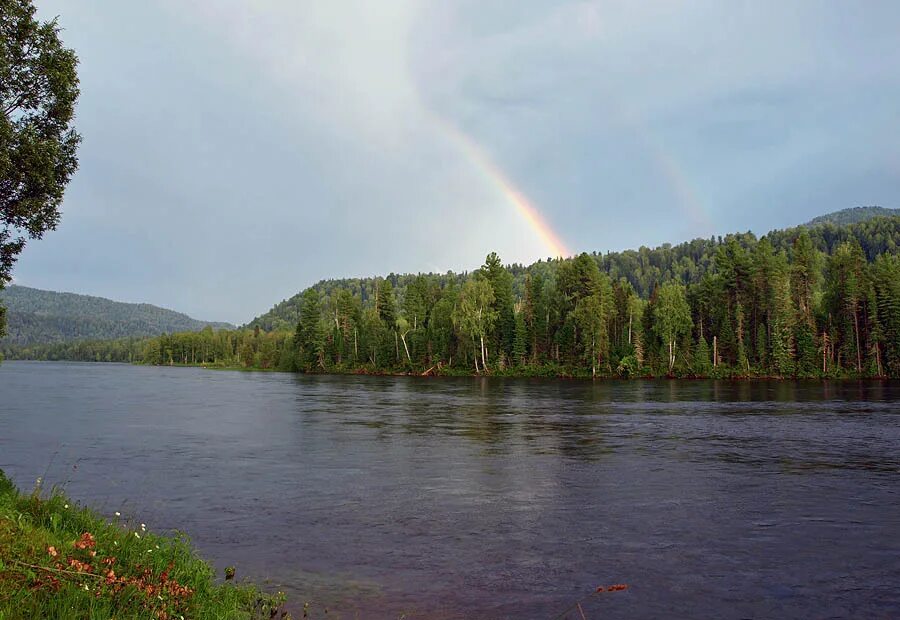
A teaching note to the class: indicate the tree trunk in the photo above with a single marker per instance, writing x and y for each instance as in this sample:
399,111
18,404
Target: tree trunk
630,316
483,358
406,348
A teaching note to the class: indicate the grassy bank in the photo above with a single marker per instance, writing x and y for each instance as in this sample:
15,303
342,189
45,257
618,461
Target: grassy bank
61,560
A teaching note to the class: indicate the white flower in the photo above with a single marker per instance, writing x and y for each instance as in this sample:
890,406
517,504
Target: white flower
143,527
116,543
118,514
65,505
136,535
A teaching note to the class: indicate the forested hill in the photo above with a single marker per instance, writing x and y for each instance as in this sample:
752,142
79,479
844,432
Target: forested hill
645,267
853,215
810,302
37,316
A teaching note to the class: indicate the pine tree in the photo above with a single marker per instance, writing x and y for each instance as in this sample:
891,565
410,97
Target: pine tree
520,342
701,363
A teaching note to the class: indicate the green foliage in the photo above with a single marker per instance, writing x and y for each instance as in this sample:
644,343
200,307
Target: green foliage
886,278
309,337
44,317
38,145
502,336
701,364
474,315
853,215
61,560
804,302
671,317
628,367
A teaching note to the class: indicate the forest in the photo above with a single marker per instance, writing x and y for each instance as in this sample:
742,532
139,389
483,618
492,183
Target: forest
812,301
38,316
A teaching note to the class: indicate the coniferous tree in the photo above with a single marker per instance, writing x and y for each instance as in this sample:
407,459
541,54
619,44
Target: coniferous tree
308,333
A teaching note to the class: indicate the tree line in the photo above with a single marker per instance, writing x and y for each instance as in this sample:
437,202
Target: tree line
805,302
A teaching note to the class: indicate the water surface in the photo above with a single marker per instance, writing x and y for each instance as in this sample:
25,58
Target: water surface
489,498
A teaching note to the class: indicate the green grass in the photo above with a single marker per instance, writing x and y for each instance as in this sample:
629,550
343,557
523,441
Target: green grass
61,560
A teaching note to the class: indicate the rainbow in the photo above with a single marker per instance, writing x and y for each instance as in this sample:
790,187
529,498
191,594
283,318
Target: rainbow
669,168
497,178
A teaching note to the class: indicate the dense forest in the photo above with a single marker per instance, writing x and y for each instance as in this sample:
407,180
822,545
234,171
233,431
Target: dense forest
804,302
36,316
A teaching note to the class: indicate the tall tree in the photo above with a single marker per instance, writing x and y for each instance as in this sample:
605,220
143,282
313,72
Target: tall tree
38,144
805,276
474,314
672,317
308,337
592,315
846,288
886,271
500,280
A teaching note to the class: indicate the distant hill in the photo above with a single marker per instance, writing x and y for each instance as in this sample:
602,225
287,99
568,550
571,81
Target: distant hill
853,215
39,317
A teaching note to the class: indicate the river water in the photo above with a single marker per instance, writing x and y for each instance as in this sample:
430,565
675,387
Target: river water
376,497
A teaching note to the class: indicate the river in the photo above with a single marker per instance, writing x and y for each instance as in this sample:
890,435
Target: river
376,497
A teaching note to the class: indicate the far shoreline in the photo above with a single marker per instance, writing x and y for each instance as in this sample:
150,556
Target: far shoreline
362,372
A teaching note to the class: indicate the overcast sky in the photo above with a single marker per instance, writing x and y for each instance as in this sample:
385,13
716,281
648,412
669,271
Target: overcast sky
236,152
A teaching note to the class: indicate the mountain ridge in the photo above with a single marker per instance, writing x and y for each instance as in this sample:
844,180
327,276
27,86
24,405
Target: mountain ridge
38,316
852,215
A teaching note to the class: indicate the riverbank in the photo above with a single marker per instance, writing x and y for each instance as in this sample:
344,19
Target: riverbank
547,371
542,372
62,560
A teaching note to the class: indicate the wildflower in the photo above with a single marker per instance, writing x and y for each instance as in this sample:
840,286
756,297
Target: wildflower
52,551
116,543
143,527
118,514
86,541
65,505
136,535
86,588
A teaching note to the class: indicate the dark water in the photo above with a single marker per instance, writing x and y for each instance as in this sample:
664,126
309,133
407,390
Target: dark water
489,498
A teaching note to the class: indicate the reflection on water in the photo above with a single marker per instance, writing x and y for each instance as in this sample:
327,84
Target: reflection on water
490,498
